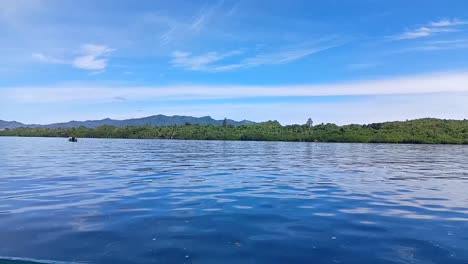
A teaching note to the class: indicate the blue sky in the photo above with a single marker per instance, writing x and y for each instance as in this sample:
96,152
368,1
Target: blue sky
336,61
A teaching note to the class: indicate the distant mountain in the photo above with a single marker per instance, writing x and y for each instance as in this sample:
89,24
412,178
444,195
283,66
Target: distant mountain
10,124
156,120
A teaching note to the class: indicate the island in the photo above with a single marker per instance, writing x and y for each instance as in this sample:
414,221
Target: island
418,131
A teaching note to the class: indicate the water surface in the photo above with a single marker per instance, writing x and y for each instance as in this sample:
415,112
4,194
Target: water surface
164,201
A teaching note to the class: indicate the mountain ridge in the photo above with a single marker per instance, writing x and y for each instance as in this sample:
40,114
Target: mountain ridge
154,120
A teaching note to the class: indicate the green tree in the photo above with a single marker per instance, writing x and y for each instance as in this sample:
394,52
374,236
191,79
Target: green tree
427,130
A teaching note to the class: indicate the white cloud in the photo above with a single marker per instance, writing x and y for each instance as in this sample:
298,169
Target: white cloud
93,57
201,62
438,45
448,23
47,59
282,56
212,61
177,29
168,35
441,95
424,32
417,84
433,28
199,22
205,15
363,110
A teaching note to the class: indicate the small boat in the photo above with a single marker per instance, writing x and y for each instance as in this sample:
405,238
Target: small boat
73,139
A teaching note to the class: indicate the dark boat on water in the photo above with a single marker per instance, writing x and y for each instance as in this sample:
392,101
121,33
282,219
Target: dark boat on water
73,139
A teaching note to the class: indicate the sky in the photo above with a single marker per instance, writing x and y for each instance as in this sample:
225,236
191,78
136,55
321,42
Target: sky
353,61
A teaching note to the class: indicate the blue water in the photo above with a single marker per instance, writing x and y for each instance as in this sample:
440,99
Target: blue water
164,201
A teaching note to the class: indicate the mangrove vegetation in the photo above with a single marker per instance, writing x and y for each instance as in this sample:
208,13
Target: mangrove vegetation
428,130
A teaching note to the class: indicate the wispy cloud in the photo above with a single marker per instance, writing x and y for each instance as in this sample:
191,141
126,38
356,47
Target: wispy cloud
417,84
372,101
431,29
233,10
168,35
47,59
119,98
177,29
204,16
437,45
448,23
283,56
384,108
200,62
213,61
91,57
424,32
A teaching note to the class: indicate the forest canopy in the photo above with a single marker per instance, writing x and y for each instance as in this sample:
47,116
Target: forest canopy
427,130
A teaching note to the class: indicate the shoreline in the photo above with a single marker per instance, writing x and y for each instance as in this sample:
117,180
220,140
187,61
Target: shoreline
237,140
418,131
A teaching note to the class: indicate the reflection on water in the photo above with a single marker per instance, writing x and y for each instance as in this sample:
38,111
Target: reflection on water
163,201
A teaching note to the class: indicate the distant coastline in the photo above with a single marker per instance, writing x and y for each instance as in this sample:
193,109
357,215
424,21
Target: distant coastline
418,131
154,120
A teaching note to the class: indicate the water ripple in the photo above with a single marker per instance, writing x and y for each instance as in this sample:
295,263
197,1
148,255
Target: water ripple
145,201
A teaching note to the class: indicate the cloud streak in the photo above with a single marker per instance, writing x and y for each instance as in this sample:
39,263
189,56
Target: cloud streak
359,110
213,61
437,45
199,62
418,84
431,29
177,29
448,23
205,15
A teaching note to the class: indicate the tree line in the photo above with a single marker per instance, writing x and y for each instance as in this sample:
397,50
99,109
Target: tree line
427,130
